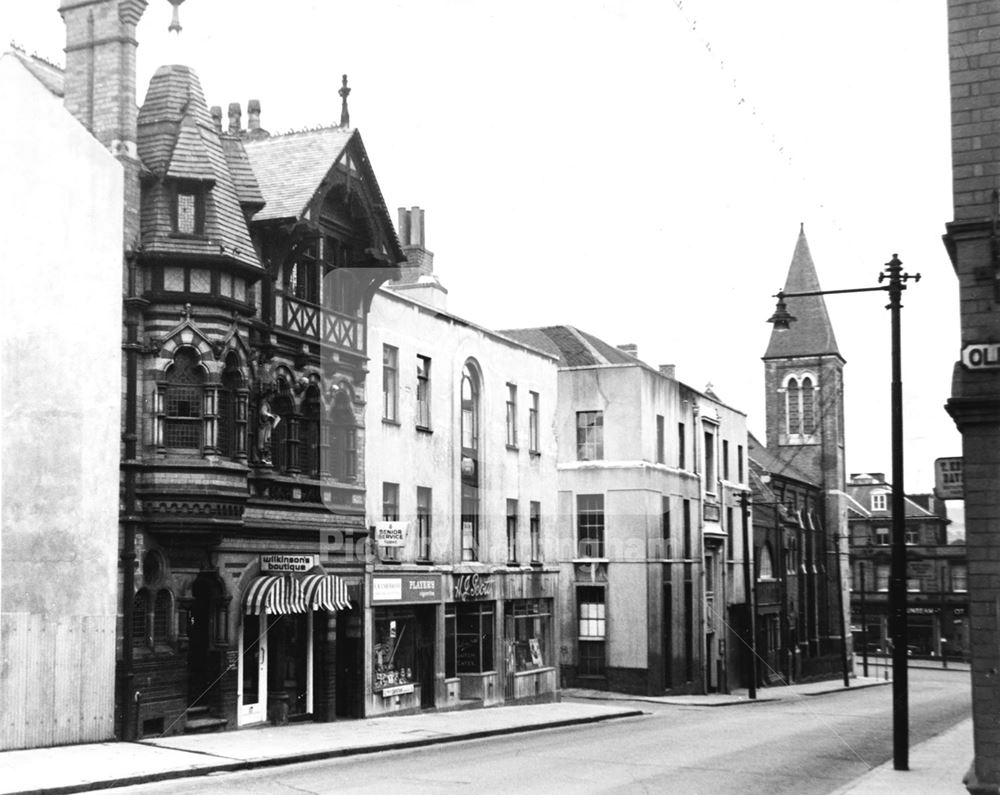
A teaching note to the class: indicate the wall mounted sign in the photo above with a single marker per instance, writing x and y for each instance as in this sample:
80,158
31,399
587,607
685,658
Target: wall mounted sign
283,563
473,586
398,690
949,480
981,356
407,588
390,534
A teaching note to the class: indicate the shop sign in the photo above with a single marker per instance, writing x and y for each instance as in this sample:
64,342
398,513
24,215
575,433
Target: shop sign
473,586
922,611
398,690
390,534
283,563
407,588
981,356
949,480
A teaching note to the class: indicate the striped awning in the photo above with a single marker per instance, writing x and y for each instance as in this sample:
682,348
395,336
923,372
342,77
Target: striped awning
281,594
325,592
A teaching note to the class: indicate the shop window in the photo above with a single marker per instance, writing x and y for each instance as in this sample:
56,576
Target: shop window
470,644
423,392
394,654
591,631
390,383
590,525
183,396
527,627
511,415
589,435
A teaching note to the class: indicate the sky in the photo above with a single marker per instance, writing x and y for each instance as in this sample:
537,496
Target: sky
636,168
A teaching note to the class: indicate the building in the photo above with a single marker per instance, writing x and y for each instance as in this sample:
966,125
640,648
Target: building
650,473
58,445
800,524
972,244
249,265
936,572
460,463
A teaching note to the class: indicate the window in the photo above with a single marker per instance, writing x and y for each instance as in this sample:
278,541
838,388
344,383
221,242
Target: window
808,407
390,383
189,212
309,431
731,533
151,618
161,616
589,435
739,462
423,392
390,513
423,523
590,525
511,415
533,423
912,535
882,577
527,633
592,630
800,406
681,456
535,530
665,529
686,506
512,531
469,464
284,433
878,501
232,410
725,459
140,619
469,638
302,276
659,439
395,649
959,577
344,441
470,409
183,424
765,566
882,536
710,485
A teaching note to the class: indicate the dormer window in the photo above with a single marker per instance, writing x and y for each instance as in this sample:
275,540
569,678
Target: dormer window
878,501
189,211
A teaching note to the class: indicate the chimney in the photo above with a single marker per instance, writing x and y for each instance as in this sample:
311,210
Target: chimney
99,84
630,348
253,115
417,278
669,370
217,118
235,118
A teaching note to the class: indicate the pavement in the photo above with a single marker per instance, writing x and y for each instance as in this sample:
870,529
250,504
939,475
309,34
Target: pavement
936,765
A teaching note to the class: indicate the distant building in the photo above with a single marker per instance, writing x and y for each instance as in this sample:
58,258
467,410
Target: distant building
650,473
800,520
460,462
936,572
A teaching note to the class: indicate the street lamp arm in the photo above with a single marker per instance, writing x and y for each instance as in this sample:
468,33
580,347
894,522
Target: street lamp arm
782,294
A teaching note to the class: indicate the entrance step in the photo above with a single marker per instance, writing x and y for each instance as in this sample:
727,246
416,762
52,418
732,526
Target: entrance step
199,721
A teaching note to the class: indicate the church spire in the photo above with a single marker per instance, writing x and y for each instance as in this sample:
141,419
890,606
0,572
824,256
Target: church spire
811,334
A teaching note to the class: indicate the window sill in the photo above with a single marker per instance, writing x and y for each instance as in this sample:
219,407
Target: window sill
535,453
387,421
512,447
176,235
422,562
420,428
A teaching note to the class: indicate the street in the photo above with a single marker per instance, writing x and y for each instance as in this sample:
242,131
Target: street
804,744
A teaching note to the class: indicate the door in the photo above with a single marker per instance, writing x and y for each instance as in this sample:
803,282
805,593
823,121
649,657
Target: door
252,696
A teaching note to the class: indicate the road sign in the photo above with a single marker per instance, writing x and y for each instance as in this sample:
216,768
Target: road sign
949,481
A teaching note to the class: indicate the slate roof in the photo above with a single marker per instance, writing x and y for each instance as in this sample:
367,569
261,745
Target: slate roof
177,140
247,188
861,494
774,463
811,334
48,74
574,348
290,168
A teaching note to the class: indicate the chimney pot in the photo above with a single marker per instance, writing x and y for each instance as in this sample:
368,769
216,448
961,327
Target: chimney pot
669,370
630,348
217,118
253,114
417,227
404,226
235,118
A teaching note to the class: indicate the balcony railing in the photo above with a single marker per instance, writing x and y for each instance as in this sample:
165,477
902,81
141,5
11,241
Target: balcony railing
315,322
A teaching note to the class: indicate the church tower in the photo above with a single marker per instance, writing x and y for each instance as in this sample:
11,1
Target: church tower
804,382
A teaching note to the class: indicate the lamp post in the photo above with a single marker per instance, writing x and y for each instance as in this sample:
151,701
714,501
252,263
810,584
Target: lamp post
748,589
895,280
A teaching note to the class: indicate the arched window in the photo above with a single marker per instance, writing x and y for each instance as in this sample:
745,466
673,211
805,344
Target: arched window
344,443
792,404
284,442
765,567
140,618
182,427
232,410
309,430
808,406
162,611
470,462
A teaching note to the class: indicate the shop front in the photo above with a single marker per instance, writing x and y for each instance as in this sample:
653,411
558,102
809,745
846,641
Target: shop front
404,656
287,641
